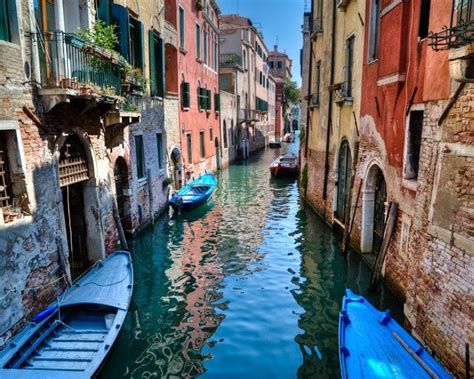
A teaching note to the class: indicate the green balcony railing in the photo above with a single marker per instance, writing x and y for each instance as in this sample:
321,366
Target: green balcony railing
66,61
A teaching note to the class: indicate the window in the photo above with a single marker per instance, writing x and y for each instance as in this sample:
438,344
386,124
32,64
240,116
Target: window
245,59
232,133
271,65
202,148
198,41
348,68
413,143
181,28
319,16
205,48
215,55
140,156
224,134
374,30
8,21
279,64
424,19
159,145
189,146
136,43
157,67
317,84
185,96
210,134
104,11
224,82
217,102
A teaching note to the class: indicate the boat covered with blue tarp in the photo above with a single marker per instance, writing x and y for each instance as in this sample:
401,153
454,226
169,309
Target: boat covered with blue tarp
373,345
72,337
195,193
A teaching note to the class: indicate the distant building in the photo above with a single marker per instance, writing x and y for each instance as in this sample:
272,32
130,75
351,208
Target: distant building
244,72
280,68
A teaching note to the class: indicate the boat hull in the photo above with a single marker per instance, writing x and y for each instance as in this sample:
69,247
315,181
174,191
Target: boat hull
74,340
182,201
373,345
281,171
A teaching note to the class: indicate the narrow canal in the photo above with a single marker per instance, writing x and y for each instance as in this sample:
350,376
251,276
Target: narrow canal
248,286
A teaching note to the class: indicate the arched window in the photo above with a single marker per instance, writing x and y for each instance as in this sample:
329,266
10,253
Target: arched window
344,170
224,132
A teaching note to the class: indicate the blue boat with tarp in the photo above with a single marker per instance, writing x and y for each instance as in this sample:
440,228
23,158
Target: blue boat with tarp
194,194
72,337
373,345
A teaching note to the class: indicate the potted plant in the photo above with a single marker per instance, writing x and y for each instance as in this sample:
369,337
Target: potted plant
167,181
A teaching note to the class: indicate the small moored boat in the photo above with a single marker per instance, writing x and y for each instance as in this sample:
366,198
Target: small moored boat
72,337
285,165
274,144
195,193
373,345
289,137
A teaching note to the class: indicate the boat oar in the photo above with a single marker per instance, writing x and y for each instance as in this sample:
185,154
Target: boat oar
415,356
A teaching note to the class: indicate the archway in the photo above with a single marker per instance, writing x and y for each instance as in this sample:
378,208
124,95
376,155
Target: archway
344,170
177,168
374,198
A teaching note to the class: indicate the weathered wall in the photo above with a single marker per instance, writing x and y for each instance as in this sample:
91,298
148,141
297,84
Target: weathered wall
228,114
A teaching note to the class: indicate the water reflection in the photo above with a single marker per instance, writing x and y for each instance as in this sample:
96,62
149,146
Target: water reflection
248,286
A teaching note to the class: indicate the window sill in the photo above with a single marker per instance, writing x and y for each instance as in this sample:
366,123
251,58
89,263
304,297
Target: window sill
142,181
159,98
23,220
411,184
182,50
373,61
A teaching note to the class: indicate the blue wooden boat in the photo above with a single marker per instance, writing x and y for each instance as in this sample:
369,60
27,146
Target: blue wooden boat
72,337
373,345
195,193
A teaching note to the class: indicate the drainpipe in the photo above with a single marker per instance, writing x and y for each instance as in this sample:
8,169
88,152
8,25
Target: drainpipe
329,125
310,77
60,27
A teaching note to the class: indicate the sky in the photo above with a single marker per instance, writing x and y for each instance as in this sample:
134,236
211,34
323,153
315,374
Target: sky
280,19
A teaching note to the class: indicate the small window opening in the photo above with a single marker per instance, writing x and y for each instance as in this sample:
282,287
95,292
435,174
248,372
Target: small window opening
415,128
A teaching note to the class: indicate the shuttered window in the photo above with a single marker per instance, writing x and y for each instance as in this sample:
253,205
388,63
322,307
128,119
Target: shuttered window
159,145
120,17
140,156
157,64
104,11
136,44
208,100
217,102
181,28
189,146
185,95
348,68
4,25
206,61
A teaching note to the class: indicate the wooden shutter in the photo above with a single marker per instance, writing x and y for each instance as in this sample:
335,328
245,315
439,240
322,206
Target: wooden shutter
141,53
153,79
4,24
209,100
185,95
120,17
217,102
161,70
199,98
103,11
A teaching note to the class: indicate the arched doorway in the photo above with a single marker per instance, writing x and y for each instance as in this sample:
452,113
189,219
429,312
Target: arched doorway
73,175
374,198
344,170
121,183
177,168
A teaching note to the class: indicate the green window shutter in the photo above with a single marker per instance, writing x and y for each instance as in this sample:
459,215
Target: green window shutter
217,102
153,78
120,18
181,27
199,96
209,100
103,11
4,27
141,52
198,41
185,95
161,73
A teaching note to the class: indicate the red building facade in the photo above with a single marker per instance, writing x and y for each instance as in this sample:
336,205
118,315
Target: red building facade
198,86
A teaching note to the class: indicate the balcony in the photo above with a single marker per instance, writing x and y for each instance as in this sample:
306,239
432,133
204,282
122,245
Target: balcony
461,28
231,60
341,92
247,115
69,66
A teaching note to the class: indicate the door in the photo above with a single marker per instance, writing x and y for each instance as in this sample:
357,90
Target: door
343,180
379,211
119,172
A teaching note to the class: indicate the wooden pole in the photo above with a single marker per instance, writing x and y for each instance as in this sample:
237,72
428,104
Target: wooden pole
346,238
415,356
118,224
388,230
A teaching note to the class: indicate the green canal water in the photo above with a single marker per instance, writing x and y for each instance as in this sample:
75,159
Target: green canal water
247,286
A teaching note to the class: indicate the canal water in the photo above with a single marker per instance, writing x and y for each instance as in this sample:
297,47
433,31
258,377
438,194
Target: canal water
248,286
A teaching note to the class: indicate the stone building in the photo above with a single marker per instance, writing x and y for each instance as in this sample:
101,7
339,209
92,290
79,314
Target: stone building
244,58
304,65
280,68
197,61
396,122
271,108
228,115
82,143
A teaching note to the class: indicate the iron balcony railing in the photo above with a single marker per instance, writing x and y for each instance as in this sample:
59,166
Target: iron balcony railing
66,61
460,31
230,60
